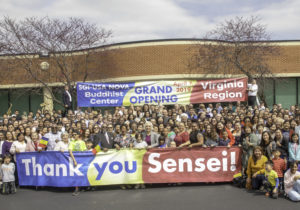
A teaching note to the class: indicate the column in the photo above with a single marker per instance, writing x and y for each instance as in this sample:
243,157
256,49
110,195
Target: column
48,100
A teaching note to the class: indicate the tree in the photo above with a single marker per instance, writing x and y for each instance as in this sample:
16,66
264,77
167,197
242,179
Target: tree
41,50
239,46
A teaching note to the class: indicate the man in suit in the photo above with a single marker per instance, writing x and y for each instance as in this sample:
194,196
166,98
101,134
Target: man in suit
105,138
67,100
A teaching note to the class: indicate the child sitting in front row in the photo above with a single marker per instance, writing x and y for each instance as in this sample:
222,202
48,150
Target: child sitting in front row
8,177
224,141
271,181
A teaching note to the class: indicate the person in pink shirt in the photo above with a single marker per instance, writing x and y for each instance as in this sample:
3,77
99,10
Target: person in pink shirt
292,182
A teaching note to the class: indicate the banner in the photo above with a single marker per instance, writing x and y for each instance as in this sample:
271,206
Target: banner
165,92
129,167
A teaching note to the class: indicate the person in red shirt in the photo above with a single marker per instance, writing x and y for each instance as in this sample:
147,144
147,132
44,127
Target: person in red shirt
280,167
182,135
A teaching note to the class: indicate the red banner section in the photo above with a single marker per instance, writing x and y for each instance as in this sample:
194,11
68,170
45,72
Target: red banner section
222,90
217,164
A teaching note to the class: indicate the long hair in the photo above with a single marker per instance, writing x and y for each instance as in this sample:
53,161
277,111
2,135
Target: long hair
213,134
262,143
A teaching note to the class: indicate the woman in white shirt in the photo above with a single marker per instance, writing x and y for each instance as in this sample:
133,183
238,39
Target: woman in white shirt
18,146
292,182
63,145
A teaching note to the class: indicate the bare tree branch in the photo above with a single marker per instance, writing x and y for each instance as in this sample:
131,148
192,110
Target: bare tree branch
236,46
54,38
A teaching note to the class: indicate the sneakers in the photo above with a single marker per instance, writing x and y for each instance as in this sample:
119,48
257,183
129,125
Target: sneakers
76,192
267,194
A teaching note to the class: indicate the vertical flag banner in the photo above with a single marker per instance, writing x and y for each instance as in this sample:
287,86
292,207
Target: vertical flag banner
127,166
165,92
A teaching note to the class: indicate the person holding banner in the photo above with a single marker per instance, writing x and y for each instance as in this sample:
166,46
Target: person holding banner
123,140
105,139
220,128
32,143
182,136
77,145
252,92
54,137
149,136
196,137
18,146
63,145
210,136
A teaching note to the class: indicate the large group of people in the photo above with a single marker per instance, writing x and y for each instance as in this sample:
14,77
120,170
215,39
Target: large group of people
268,137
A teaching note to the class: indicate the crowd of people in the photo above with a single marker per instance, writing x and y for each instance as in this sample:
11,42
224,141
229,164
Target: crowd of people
268,137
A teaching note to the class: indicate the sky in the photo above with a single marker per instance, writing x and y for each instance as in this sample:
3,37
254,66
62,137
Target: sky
134,20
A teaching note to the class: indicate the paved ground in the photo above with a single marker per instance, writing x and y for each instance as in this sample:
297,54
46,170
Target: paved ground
219,196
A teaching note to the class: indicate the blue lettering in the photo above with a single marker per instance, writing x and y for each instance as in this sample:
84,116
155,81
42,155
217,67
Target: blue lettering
138,90
152,90
100,169
160,89
141,98
133,100
130,171
145,89
168,89
166,98
115,171
174,98
153,99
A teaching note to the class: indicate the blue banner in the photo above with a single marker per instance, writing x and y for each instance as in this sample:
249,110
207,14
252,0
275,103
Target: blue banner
53,169
102,94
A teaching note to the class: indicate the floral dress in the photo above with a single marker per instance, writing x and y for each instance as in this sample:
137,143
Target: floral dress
124,141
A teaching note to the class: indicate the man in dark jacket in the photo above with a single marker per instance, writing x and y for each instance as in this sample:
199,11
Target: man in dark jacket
106,140
67,100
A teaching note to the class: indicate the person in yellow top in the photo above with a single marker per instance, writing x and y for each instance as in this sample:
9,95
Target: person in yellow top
256,169
271,181
77,145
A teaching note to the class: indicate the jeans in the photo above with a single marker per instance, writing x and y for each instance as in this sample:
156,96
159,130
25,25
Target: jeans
9,187
281,183
257,181
294,194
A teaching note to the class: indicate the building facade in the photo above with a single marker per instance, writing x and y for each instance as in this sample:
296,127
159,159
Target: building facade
134,61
